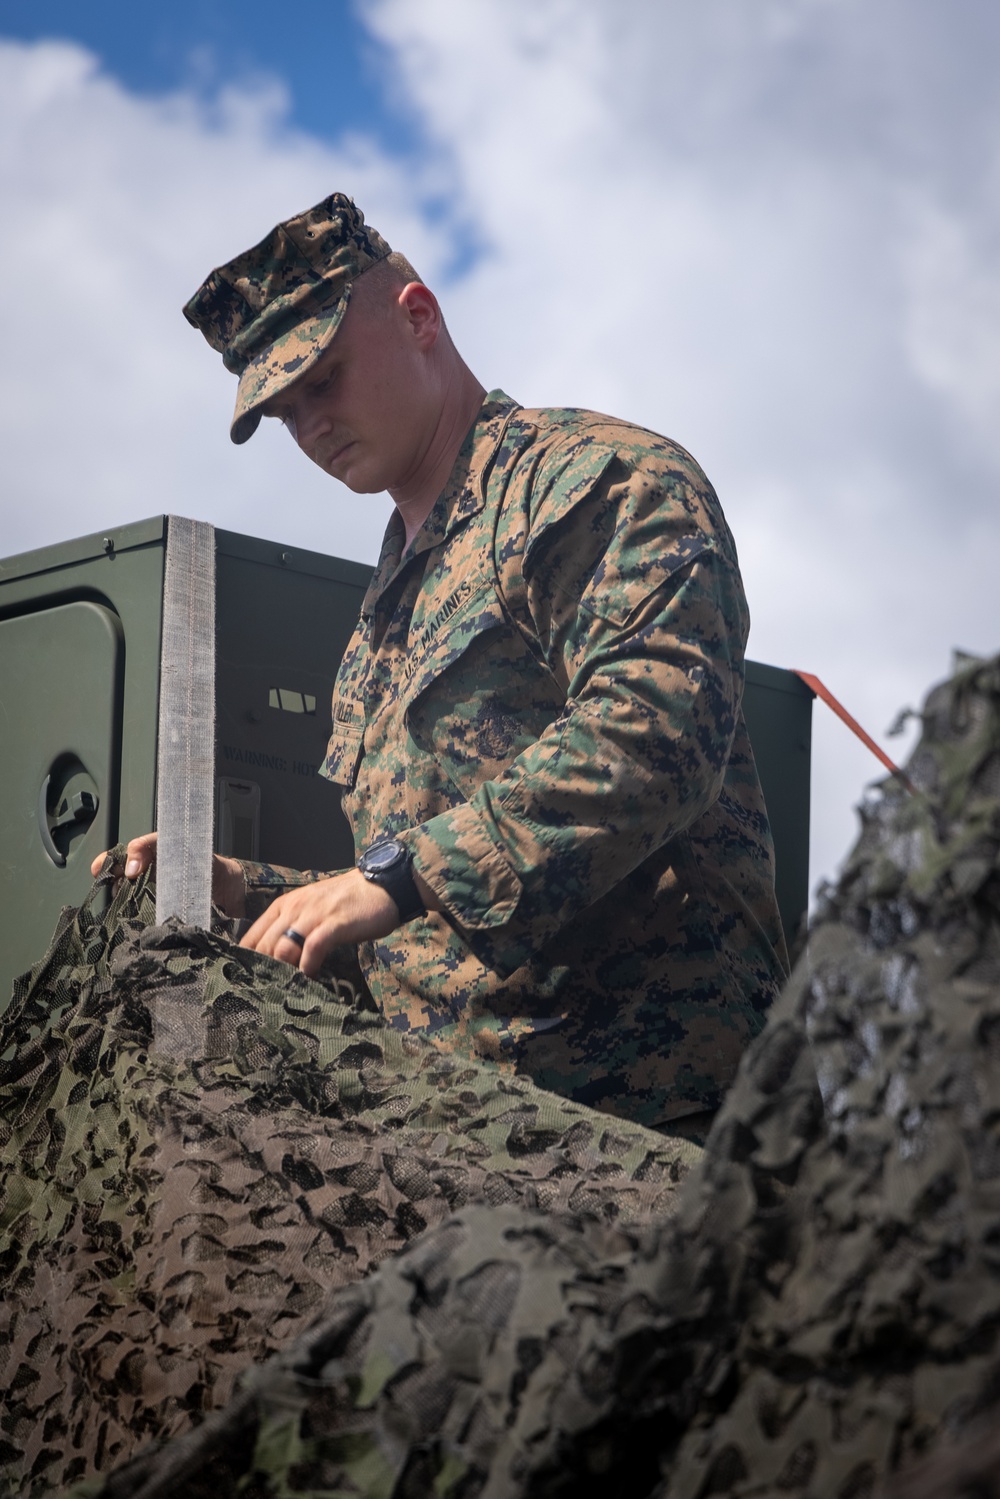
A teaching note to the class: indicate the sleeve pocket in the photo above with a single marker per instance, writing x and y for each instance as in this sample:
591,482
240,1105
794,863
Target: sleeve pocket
627,578
343,755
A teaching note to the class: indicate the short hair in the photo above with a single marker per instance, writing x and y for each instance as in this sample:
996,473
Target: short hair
391,273
383,281
402,268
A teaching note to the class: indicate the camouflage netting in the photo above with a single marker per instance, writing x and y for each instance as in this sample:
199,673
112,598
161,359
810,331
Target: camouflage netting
823,1309
197,1144
965,1468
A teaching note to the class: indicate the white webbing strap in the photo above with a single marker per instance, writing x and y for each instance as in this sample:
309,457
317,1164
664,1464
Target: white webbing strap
185,770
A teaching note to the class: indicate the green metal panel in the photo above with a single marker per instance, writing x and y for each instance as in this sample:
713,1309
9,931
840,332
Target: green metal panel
778,710
122,569
79,681
284,617
60,673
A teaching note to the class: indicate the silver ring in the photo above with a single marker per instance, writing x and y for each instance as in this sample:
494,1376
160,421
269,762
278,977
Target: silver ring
294,936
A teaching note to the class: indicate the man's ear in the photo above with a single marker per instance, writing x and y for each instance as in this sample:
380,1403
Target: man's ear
423,313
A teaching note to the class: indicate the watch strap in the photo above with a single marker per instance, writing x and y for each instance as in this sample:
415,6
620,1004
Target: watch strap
396,879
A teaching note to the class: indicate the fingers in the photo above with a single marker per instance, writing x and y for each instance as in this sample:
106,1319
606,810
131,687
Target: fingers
346,908
139,856
307,953
278,932
321,941
299,939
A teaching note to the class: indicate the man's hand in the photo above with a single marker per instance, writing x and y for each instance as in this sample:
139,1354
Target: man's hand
345,908
228,889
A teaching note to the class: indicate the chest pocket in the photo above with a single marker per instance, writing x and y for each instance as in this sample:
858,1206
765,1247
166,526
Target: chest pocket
343,753
474,695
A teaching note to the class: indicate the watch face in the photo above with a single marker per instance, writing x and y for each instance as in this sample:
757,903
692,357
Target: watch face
383,856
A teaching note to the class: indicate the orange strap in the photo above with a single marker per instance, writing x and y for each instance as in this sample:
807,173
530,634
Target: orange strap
821,690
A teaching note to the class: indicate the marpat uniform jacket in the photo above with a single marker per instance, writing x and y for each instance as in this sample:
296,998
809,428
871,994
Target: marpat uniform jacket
543,700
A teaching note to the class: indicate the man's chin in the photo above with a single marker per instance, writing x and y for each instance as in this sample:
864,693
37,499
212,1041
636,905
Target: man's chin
362,486
348,466
342,465
356,478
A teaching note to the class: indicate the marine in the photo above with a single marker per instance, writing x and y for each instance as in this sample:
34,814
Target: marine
564,862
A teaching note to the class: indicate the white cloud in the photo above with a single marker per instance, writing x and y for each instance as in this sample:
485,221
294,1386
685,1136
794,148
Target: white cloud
952,331
111,406
702,216
766,230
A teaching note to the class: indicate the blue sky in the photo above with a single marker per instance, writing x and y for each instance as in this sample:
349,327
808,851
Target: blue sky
768,229
338,74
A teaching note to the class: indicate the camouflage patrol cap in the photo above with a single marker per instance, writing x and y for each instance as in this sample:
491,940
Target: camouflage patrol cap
273,310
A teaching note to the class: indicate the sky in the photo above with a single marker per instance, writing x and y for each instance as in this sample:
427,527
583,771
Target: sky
769,230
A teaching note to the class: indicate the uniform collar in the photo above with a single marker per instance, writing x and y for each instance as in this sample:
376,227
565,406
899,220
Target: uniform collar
463,495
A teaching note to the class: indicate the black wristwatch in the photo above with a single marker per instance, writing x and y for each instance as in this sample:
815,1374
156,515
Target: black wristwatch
390,865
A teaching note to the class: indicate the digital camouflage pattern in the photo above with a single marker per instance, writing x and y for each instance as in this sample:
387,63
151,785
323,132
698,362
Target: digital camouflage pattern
822,1310
543,700
272,311
198,1143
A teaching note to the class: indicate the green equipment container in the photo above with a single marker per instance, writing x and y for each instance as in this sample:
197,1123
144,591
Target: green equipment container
80,628
80,635
777,706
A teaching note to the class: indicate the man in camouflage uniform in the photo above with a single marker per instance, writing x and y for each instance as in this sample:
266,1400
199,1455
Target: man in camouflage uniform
537,724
